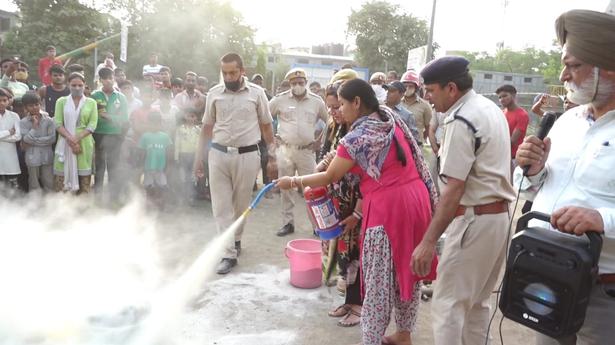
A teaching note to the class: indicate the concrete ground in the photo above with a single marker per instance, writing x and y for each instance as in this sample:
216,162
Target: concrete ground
255,304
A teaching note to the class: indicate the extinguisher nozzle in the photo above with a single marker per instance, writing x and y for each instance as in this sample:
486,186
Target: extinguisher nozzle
261,193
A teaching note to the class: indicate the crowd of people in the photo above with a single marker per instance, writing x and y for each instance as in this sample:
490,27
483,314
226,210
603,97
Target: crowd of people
407,157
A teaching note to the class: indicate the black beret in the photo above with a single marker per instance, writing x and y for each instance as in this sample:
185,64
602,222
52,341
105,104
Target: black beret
444,69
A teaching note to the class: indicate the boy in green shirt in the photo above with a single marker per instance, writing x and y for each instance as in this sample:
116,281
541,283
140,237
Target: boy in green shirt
157,151
109,133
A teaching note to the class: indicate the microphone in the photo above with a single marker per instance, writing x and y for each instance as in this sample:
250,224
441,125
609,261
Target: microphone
548,119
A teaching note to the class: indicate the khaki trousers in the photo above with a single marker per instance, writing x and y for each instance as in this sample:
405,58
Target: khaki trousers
468,270
41,177
291,160
231,177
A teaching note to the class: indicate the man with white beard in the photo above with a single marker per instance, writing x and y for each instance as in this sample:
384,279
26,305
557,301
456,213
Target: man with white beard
297,111
571,171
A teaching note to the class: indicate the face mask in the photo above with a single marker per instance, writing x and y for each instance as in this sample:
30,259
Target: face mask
298,90
381,93
232,85
21,75
409,92
76,91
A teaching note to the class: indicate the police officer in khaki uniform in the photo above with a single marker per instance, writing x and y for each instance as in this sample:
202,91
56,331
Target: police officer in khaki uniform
474,206
416,105
298,111
236,115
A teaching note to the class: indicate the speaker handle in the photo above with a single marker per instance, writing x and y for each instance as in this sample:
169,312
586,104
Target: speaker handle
595,239
525,219
595,244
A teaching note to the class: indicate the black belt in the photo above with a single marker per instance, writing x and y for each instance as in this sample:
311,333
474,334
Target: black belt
240,150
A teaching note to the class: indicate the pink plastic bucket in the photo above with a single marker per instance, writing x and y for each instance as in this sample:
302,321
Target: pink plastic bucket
304,257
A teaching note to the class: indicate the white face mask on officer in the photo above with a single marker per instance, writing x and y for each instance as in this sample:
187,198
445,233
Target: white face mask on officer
381,93
298,90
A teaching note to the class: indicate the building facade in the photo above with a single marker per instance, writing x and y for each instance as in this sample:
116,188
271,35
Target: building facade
489,81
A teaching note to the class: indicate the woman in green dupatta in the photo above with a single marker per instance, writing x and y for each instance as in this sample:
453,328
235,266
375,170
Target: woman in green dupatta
76,117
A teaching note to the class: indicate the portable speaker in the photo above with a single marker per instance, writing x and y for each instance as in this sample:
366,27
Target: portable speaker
549,277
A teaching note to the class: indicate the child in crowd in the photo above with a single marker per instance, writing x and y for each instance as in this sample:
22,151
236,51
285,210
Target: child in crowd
10,134
39,134
186,140
177,86
157,148
138,126
169,112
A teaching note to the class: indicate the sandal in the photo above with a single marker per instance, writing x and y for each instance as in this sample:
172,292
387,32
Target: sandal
340,311
386,341
351,313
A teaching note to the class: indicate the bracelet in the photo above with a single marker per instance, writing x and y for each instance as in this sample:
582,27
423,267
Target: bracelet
301,183
357,215
293,184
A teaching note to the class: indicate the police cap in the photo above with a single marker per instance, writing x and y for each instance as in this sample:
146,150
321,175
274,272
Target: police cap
295,73
444,69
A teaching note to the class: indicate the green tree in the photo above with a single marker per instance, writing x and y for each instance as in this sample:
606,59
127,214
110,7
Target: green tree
261,60
384,35
186,34
66,24
529,61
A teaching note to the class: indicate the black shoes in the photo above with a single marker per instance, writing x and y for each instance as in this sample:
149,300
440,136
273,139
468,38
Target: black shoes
226,265
286,229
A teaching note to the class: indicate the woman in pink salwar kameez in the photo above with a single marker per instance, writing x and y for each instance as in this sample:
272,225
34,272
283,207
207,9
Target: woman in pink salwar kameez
381,156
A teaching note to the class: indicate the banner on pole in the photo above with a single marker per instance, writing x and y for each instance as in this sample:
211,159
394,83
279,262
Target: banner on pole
416,58
124,43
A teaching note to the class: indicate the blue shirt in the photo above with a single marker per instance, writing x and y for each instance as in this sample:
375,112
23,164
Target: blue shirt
408,118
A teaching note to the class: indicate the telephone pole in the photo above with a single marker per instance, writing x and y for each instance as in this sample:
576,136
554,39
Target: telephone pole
429,55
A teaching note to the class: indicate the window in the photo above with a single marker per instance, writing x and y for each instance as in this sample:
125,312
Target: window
271,59
305,61
508,77
488,76
327,62
527,80
5,24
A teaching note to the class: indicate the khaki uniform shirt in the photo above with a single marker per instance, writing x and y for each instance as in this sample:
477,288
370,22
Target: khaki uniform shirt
437,122
236,116
297,118
422,113
486,171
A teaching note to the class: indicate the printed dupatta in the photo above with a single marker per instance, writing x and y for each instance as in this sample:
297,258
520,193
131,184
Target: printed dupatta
369,140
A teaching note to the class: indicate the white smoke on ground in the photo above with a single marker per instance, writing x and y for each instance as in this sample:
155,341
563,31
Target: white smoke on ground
75,274
162,325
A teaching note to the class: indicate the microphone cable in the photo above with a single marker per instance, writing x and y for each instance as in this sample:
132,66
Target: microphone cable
499,290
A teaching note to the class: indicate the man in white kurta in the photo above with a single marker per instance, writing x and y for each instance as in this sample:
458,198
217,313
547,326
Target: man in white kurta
9,136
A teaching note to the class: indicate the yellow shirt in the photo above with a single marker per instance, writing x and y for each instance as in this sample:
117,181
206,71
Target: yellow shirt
186,139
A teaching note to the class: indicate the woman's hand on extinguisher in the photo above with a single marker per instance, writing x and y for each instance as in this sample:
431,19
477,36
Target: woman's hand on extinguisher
284,182
350,222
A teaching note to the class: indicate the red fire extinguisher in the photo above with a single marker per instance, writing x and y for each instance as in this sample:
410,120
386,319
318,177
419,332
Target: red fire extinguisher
323,211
